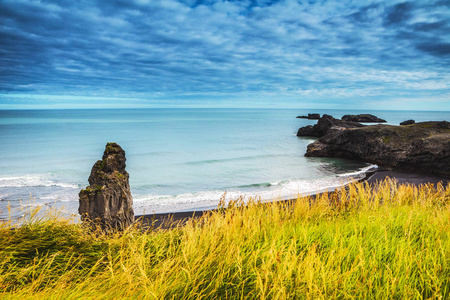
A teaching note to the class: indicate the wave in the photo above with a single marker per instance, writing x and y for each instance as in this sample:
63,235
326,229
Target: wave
241,158
288,189
264,184
361,172
33,180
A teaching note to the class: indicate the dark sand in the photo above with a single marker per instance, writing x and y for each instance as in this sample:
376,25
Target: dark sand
170,220
407,178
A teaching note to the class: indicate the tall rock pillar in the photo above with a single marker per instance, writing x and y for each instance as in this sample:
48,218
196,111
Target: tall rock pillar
107,200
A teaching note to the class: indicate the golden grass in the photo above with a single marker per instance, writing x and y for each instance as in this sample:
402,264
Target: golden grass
386,241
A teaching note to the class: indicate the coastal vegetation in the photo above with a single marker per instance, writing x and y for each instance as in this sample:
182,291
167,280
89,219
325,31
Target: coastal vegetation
385,240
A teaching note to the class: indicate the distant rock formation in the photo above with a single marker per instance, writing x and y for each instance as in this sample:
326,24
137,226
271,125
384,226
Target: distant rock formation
408,122
107,200
363,118
326,124
422,147
310,117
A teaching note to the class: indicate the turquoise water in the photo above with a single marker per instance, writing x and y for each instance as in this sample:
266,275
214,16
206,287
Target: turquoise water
178,159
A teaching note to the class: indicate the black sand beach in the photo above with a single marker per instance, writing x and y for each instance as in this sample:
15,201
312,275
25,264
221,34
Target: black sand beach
407,178
169,220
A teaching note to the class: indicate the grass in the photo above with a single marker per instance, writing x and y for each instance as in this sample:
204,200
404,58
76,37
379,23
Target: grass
389,241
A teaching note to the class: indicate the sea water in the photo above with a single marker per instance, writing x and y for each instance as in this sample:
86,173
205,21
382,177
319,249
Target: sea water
178,159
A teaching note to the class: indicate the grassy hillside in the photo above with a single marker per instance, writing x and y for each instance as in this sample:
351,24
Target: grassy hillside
390,241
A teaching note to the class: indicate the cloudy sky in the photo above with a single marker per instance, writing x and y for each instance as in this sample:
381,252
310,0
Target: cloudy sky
257,53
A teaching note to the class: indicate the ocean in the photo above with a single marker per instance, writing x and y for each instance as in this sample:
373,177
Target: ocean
179,159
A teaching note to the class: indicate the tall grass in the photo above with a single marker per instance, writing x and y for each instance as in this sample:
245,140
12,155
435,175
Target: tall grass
385,241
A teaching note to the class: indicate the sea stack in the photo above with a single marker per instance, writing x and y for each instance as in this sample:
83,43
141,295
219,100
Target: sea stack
107,201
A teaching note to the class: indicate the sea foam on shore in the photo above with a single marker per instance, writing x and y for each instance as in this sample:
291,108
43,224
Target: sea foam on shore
282,190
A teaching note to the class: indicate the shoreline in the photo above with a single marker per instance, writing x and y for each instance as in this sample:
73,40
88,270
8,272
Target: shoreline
171,220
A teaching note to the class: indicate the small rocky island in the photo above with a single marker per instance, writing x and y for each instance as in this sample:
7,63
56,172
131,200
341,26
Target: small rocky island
310,117
408,122
107,201
326,124
421,147
363,118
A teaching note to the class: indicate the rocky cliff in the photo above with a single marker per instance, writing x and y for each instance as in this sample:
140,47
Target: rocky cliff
422,147
107,200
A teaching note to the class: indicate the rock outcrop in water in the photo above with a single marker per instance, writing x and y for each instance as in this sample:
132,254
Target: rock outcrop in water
325,125
310,117
107,200
422,147
363,118
408,122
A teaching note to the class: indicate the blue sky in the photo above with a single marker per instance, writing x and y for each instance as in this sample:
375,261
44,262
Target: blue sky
190,53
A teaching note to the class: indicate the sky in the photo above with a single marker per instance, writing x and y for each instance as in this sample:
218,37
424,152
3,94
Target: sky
193,53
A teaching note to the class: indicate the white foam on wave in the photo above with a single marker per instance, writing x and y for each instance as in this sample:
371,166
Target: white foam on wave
362,172
32,180
281,190
34,204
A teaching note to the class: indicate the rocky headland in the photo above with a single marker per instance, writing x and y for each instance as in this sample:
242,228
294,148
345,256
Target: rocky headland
107,201
421,147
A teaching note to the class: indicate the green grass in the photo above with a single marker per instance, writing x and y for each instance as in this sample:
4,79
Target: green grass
390,241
